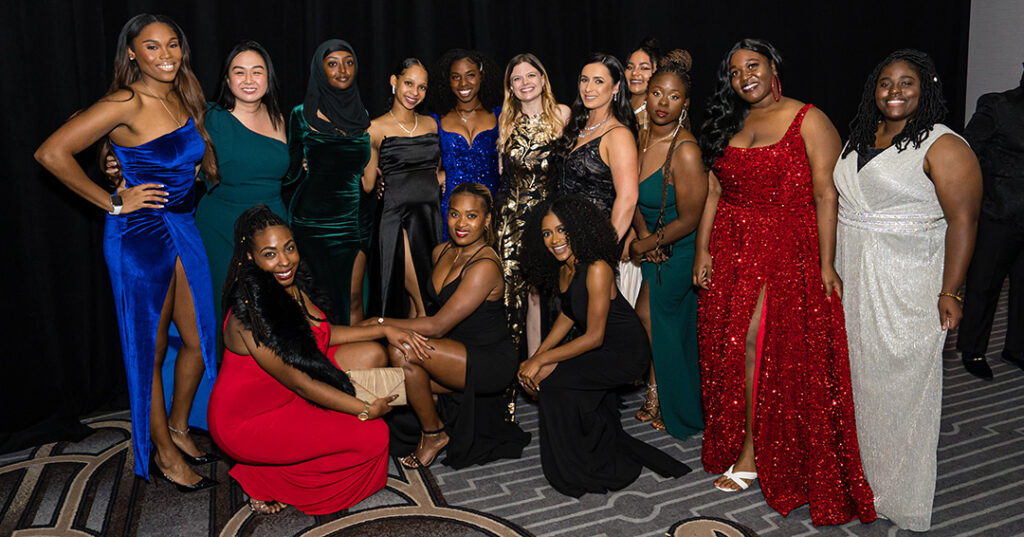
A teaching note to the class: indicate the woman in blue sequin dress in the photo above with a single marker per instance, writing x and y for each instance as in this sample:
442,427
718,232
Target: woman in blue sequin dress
153,116
466,97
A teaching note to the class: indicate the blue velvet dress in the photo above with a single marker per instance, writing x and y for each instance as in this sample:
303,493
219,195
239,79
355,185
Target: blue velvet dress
141,248
464,162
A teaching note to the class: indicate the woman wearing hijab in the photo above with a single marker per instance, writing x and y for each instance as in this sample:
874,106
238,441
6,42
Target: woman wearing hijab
329,147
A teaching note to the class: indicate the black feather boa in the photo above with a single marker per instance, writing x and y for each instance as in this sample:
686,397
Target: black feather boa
276,320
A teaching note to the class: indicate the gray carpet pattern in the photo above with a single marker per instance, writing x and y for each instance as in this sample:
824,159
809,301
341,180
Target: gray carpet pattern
88,489
980,488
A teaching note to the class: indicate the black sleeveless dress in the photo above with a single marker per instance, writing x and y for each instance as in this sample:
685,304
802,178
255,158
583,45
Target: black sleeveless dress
584,173
475,419
583,447
411,202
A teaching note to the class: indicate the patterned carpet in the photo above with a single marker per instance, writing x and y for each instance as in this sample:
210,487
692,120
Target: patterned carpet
88,489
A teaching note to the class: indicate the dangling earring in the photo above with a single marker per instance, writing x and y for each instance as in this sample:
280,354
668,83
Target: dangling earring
392,90
776,82
682,117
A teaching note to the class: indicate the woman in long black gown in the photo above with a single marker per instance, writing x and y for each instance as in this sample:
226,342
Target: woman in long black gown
570,249
404,147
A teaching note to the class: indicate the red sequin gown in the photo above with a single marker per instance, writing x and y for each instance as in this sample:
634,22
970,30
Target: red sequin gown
318,460
805,439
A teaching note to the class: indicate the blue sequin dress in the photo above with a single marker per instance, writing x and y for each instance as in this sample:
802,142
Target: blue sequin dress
141,249
463,162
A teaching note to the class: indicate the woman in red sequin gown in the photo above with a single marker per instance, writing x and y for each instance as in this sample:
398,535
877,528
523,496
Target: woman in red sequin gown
775,374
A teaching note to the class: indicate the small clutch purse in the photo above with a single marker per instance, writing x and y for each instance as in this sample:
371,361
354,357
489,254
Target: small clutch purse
373,384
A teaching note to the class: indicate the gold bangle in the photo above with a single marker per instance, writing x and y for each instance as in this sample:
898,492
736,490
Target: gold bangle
955,296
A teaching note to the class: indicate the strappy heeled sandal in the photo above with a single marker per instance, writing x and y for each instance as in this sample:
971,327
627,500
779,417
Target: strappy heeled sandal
738,478
651,409
413,462
261,507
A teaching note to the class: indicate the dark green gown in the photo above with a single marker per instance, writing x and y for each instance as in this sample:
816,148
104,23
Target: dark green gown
329,222
673,319
252,168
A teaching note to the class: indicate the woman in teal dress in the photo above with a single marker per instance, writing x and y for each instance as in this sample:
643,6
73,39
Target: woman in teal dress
329,147
673,189
248,133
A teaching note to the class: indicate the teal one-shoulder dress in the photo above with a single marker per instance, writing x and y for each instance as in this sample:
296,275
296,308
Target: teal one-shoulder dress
252,169
330,217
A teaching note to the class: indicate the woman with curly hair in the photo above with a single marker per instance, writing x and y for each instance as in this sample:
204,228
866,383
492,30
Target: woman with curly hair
909,197
569,249
775,374
466,102
282,407
529,127
672,196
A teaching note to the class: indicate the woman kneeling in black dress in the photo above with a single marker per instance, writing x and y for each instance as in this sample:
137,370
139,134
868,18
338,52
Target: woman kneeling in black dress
471,359
570,249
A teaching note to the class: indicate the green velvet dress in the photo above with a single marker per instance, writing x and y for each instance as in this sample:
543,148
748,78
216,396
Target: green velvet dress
252,168
673,318
329,215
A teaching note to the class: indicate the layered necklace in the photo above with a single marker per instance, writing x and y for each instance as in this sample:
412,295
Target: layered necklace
587,131
416,122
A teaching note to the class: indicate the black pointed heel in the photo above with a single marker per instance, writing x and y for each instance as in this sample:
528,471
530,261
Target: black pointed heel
205,458
203,483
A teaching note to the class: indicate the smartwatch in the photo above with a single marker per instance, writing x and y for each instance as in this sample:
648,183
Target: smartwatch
117,203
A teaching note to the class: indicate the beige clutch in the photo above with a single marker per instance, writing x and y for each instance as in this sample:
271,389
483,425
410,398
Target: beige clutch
373,384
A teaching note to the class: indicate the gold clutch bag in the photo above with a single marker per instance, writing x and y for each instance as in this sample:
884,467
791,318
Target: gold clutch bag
373,384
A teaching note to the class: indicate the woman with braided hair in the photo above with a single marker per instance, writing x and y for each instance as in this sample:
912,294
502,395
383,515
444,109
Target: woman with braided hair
672,195
909,196
281,407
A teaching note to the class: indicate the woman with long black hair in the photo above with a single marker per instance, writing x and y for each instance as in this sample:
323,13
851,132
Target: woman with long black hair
152,116
775,373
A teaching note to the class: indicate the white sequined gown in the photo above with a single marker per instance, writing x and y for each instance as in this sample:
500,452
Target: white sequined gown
889,253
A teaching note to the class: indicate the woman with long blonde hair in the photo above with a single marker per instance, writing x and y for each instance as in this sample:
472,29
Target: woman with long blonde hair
530,123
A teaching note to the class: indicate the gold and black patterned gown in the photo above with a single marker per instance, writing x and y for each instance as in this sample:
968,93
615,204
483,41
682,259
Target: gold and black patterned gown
530,172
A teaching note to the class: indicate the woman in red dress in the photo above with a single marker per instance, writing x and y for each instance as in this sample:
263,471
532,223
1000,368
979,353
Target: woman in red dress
280,407
775,374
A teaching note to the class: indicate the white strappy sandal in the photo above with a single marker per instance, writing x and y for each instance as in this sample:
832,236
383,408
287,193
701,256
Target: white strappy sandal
738,478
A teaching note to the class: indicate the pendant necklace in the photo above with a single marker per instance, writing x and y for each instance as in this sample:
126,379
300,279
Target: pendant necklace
416,122
462,117
161,99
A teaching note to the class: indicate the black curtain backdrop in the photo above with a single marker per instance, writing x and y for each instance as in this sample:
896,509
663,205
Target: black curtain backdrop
62,356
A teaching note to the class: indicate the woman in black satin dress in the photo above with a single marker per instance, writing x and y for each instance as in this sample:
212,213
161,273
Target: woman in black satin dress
404,147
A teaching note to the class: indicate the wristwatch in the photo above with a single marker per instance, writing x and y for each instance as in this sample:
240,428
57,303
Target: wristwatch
365,414
117,203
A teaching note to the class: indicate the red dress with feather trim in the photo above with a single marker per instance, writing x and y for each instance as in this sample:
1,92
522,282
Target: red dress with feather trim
318,460
805,438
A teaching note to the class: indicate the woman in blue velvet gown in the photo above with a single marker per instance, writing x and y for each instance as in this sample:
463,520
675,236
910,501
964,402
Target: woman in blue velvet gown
466,93
153,116
330,217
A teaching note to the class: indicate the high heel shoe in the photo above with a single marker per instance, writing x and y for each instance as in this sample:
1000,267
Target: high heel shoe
204,482
205,458
413,462
651,409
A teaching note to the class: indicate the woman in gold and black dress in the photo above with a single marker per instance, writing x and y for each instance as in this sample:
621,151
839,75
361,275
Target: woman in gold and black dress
530,122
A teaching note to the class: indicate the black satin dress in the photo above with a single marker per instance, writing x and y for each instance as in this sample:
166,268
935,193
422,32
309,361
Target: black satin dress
583,447
411,203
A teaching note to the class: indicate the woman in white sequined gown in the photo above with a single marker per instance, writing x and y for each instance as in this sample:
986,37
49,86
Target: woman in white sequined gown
909,194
